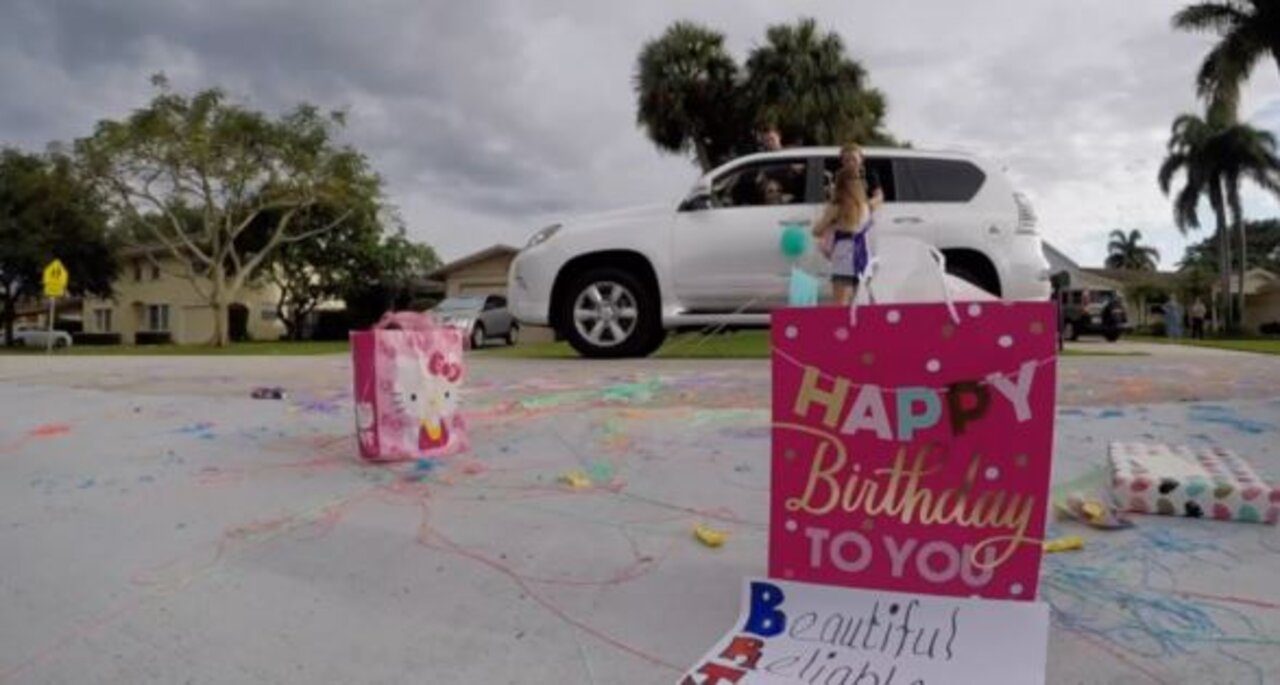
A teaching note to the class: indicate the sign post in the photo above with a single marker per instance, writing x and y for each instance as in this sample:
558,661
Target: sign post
55,286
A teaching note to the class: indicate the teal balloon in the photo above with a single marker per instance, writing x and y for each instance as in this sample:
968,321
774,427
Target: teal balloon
795,242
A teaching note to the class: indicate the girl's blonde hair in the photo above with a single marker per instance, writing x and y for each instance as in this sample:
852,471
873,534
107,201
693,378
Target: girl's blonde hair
849,206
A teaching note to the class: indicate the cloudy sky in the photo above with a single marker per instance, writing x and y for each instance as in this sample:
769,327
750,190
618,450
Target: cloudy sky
490,118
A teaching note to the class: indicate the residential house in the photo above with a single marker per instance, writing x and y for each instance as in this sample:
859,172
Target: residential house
153,296
1261,297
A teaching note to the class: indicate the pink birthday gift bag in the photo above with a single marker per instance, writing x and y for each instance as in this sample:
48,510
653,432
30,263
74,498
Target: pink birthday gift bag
408,374
912,446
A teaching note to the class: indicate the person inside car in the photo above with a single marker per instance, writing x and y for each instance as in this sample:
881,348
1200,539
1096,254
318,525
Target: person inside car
791,177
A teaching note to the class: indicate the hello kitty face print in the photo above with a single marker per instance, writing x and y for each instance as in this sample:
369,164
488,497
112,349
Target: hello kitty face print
420,376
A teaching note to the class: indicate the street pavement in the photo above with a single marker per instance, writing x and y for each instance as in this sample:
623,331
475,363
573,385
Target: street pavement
158,525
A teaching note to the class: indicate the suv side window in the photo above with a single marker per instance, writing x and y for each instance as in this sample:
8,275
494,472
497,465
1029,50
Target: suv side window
776,182
939,180
881,168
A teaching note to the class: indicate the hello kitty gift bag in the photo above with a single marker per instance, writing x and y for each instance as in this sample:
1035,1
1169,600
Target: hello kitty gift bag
408,374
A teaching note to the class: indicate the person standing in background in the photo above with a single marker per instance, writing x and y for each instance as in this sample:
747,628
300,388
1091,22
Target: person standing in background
1198,313
1173,319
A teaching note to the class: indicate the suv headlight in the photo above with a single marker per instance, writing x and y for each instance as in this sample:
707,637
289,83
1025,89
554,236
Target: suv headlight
543,236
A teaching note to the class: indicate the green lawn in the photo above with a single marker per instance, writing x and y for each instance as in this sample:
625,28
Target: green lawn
1258,345
254,349
740,345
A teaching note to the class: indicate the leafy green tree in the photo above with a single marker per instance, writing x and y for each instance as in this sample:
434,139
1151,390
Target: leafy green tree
687,88
803,81
1263,249
693,98
387,274
307,273
230,165
1249,32
48,212
1126,251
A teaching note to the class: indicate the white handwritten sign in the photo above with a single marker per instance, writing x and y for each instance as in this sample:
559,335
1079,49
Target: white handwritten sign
800,634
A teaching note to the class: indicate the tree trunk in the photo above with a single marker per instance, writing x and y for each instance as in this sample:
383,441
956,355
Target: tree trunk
1244,266
1224,253
218,302
1237,220
10,302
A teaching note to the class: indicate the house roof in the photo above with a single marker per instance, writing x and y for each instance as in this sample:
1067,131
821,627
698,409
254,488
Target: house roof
1131,277
1058,259
487,253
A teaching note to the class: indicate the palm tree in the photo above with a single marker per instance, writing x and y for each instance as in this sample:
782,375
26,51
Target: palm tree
686,85
1215,154
1189,153
1246,152
1250,30
802,79
1125,251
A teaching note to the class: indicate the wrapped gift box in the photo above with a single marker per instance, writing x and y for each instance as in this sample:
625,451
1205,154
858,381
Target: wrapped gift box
1209,482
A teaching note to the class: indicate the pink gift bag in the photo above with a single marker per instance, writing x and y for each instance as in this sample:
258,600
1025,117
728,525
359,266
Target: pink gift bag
912,445
408,375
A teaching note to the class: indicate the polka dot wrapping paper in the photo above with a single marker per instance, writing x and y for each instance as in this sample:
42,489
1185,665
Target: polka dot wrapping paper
1209,482
912,451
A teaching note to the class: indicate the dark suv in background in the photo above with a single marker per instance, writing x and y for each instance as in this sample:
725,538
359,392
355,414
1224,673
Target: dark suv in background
1093,312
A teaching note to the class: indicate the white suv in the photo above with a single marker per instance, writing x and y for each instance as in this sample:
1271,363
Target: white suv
613,284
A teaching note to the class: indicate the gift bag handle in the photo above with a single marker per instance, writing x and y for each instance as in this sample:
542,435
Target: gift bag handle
407,321
868,276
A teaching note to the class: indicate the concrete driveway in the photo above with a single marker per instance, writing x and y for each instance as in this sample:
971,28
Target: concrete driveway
159,526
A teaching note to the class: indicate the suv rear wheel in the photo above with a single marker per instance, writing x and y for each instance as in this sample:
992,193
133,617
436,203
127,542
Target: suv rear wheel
608,313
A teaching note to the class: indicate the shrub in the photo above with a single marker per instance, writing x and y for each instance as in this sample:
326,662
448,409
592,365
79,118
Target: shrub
1270,328
152,338
95,339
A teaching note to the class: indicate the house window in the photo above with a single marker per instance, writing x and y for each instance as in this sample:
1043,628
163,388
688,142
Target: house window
155,272
158,317
137,271
269,313
102,320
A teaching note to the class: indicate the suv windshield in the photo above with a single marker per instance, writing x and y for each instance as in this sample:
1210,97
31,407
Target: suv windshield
460,304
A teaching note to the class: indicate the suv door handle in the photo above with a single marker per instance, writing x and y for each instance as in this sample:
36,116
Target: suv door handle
993,229
908,220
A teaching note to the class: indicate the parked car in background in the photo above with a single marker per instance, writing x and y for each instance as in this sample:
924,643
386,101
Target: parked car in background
481,318
32,336
1093,312
614,284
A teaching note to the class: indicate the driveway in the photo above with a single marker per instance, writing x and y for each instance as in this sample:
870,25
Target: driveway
160,526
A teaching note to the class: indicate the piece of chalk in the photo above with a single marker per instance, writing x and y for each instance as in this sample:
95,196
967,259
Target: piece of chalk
709,536
1069,543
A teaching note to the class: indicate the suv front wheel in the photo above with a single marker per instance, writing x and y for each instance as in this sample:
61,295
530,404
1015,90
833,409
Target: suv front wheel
609,313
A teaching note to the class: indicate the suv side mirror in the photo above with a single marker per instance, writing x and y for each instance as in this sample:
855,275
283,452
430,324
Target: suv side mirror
698,201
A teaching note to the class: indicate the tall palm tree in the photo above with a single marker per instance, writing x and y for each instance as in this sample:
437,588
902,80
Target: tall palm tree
1190,153
1215,154
686,86
1126,251
1250,30
802,79
1245,152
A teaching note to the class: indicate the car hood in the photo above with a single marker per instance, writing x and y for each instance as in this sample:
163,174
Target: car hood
628,215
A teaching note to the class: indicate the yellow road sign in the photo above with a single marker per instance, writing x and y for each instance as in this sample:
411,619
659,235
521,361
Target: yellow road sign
55,279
